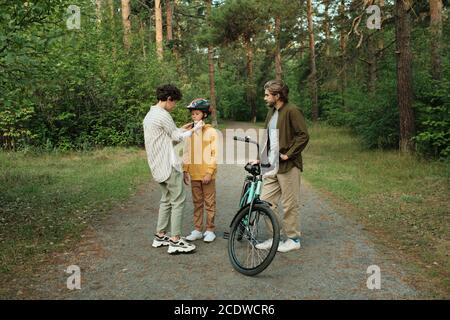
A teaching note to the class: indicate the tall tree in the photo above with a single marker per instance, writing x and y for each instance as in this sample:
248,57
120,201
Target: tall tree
142,36
343,21
159,29
169,19
240,21
278,67
112,26
126,23
404,74
374,50
436,38
326,27
212,88
98,10
312,54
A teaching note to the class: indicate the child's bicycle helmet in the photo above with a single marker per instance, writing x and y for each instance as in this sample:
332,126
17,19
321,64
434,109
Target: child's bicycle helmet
200,104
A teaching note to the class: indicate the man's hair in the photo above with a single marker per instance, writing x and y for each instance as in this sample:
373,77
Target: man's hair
278,87
168,90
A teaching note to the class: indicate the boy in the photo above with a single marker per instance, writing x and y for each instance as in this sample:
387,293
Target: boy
200,166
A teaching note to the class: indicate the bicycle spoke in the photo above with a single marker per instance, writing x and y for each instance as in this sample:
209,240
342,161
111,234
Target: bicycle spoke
251,231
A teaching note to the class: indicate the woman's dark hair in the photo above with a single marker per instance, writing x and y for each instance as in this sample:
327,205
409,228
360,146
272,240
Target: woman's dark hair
278,87
168,90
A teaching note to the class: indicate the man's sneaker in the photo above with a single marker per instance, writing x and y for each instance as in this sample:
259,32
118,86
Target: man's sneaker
160,241
289,244
209,236
265,245
195,235
181,246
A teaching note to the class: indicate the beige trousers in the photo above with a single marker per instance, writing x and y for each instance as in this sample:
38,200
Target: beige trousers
285,186
171,204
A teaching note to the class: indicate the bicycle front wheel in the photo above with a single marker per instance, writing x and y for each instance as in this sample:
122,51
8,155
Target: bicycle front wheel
249,231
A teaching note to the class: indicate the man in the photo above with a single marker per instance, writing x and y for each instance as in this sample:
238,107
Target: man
288,136
161,133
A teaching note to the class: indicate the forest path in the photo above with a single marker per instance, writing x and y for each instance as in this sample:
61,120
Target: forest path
118,262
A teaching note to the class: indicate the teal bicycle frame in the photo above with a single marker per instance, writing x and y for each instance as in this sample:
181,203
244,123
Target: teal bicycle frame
252,193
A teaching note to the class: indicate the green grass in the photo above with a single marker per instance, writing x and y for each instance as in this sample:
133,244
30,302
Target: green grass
47,200
401,198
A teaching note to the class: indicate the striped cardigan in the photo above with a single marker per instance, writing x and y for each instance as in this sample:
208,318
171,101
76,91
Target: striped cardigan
160,134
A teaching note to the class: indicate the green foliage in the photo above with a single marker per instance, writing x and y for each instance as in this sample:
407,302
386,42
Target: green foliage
433,117
73,88
82,89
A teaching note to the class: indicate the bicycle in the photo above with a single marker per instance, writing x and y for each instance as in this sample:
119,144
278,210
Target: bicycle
254,223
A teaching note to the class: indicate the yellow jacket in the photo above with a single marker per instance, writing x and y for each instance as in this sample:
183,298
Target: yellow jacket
200,153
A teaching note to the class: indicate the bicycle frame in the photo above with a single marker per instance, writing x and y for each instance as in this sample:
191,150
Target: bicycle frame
251,195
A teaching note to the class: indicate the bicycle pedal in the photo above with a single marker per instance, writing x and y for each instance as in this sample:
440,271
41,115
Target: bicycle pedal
226,235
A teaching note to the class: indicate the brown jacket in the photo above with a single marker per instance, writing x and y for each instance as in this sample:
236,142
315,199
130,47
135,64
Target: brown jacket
293,135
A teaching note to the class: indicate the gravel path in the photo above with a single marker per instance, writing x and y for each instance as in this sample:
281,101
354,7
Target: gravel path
118,262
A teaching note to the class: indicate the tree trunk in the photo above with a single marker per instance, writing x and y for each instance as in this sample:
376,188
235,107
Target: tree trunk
113,28
126,23
372,67
212,87
142,35
380,3
302,44
169,16
343,51
404,74
436,38
251,95
326,27
98,11
111,15
278,67
177,30
313,75
159,29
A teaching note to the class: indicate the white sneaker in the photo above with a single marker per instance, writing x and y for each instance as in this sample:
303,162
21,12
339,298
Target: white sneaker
209,236
195,235
289,245
265,245
180,246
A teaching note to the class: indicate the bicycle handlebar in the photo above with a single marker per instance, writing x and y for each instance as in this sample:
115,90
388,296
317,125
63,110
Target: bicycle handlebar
247,139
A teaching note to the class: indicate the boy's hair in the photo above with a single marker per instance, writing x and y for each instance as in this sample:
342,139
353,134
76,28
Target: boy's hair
278,87
168,90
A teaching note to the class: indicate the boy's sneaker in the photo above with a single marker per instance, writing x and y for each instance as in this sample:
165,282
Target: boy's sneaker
160,241
265,245
209,236
195,235
181,246
289,244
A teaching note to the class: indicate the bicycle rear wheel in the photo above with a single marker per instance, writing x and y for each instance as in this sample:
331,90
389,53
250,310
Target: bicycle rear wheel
248,230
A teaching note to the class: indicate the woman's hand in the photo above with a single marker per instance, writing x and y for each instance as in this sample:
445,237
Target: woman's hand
284,157
198,125
187,126
186,178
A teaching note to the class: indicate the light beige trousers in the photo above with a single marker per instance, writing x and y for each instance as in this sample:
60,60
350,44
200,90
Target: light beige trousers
285,187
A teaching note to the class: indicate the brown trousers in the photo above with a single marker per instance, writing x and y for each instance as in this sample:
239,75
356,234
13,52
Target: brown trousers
204,196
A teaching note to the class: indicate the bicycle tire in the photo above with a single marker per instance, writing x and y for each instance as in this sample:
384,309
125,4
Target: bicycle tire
236,234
